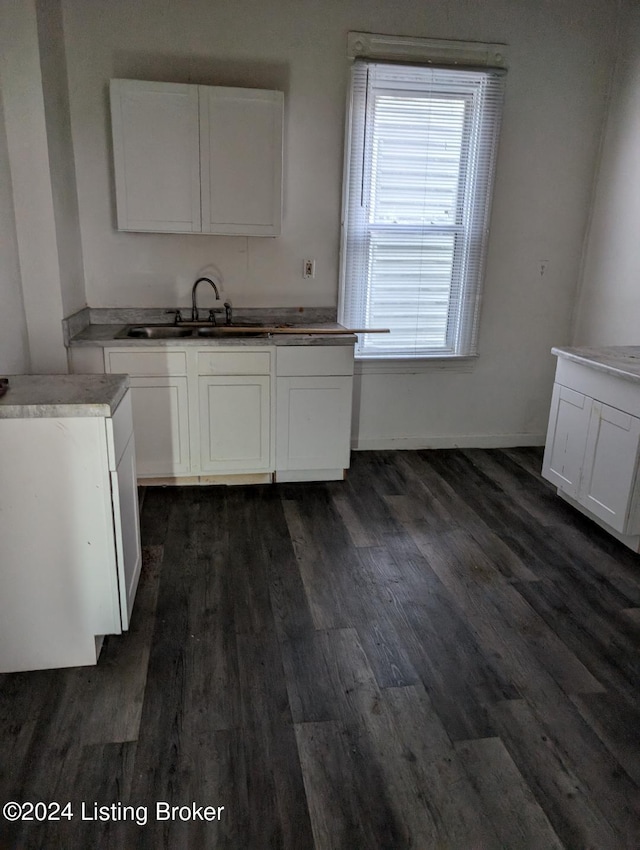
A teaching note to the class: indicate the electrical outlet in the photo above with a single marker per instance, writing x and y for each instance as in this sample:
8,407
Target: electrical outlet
308,269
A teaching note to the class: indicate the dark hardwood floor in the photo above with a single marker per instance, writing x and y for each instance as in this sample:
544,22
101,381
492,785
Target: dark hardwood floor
435,653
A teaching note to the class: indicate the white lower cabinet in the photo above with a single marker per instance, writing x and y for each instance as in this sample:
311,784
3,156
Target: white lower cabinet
234,423
566,438
593,447
199,413
160,396
608,484
124,494
161,424
313,416
314,423
234,399
207,414
69,537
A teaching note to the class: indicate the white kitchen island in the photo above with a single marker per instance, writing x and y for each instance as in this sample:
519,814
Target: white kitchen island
593,440
69,531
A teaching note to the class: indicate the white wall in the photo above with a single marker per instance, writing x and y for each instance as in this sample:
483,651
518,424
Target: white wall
559,60
21,84
608,309
14,351
60,147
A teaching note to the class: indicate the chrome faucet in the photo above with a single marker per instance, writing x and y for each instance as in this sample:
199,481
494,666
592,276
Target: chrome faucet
194,303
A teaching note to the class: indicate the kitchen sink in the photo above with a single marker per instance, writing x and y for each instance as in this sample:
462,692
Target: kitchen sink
182,332
156,332
238,329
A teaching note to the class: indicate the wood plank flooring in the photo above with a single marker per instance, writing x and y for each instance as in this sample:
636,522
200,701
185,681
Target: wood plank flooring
435,653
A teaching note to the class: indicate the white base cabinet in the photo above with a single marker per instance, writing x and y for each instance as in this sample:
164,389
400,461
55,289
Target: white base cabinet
161,423
234,423
313,417
593,447
232,414
234,395
566,439
609,476
124,497
69,537
160,397
201,415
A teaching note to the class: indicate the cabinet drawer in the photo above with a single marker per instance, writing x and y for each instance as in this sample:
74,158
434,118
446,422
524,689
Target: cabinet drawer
158,362
234,362
314,360
610,389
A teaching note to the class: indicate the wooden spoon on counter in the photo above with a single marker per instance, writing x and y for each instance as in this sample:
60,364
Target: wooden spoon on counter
301,330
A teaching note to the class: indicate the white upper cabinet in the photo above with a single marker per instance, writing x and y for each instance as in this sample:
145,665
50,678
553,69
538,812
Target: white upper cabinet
241,160
197,159
156,151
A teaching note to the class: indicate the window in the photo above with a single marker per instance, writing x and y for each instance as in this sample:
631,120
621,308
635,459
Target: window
421,146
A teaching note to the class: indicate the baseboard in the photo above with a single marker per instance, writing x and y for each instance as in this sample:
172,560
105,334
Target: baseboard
206,480
169,481
237,478
458,441
292,475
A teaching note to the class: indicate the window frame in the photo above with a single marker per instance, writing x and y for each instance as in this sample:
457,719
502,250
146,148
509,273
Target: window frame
462,319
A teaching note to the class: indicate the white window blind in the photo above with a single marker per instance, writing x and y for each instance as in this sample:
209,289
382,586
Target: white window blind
420,159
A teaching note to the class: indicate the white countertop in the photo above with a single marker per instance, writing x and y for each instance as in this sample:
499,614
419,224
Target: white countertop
620,360
62,396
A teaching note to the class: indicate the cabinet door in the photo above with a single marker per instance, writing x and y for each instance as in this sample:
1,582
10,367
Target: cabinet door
241,160
234,423
127,530
566,439
313,429
156,153
609,475
161,425
58,583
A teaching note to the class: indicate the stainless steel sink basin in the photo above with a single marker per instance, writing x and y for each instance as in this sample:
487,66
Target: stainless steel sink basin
239,329
157,332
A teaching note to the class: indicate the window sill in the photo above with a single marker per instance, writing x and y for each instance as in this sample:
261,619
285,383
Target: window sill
410,365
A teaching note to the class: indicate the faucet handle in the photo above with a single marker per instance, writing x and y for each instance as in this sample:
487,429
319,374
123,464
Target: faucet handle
227,312
177,314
